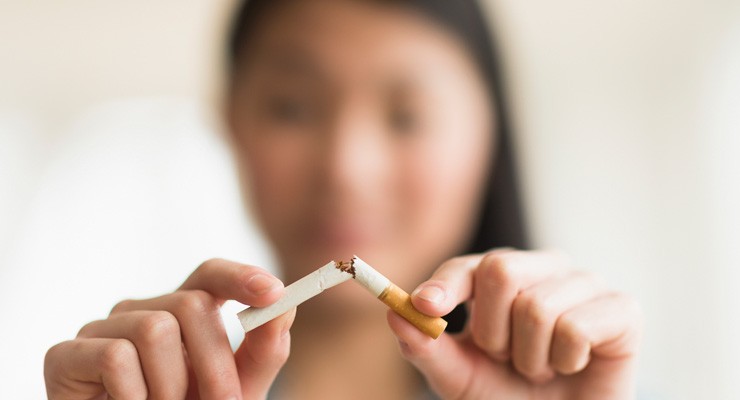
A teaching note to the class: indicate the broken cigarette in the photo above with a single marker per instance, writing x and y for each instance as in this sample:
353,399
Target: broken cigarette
395,298
328,276
333,274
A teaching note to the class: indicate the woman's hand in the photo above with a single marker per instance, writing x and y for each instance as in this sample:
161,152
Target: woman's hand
175,346
537,329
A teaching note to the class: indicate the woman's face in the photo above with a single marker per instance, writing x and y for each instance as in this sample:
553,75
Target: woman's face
361,128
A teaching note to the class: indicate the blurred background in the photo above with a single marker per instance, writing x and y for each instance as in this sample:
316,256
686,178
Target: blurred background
115,181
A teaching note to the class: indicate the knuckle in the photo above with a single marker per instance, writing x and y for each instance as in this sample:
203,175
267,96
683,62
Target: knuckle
117,355
497,269
56,353
452,262
534,309
54,365
457,260
198,301
123,305
86,330
570,332
157,326
209,264
244,274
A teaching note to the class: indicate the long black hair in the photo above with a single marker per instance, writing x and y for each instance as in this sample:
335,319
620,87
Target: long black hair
501,221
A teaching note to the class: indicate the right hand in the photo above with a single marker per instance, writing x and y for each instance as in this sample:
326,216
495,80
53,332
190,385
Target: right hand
175,346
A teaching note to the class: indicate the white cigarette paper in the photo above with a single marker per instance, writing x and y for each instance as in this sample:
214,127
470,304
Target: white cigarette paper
369,277
328,276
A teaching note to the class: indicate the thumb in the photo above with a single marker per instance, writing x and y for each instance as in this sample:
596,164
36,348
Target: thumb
261,355
444,362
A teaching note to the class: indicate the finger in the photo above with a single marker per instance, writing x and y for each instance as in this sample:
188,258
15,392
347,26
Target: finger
229,280
156,335
226,280
455,369
261,355
204,336
607,327
450,285
498,280
444,363
88,368
534,313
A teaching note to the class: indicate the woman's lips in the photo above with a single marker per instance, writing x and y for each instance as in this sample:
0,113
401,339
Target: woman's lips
343,236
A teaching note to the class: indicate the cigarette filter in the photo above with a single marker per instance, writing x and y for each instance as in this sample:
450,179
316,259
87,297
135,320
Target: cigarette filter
395,298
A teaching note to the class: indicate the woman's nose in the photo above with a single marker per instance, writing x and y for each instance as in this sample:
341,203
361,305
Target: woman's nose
356,154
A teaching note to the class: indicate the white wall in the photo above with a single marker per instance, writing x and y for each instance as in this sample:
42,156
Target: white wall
629,133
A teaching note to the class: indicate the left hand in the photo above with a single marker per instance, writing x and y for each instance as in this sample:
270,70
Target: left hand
537,329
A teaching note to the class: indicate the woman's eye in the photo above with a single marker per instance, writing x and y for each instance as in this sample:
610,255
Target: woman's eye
285,109
403,121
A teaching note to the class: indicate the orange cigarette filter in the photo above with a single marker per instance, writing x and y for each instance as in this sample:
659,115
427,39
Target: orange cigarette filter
394,297
400,302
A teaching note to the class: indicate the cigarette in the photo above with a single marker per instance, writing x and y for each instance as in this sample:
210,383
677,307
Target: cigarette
330,275
395,298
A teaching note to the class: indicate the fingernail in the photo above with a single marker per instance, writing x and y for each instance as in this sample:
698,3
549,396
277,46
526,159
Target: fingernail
432,294
261,284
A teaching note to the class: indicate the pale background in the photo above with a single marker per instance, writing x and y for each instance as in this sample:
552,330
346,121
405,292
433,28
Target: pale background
113,183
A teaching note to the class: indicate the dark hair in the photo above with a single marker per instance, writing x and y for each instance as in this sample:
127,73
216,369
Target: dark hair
501,222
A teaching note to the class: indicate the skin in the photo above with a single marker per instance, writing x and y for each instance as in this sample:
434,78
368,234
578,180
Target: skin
345,134
361,127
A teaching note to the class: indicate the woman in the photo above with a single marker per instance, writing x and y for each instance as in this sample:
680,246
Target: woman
375,128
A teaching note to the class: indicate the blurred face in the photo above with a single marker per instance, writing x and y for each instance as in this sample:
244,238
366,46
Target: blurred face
361,128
